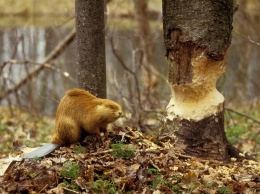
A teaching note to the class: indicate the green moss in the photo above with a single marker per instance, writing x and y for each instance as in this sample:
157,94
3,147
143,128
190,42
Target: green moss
78,149
36,158
70,170
158,180
152,171
211,184
103,186
176,188
70,185
32,175
121,150
224,190
235,132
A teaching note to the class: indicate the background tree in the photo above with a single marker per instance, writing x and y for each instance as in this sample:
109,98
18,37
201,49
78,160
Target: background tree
197,36
91,65
145,42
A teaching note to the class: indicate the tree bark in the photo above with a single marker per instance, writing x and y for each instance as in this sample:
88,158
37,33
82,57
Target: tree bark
91,65
197,35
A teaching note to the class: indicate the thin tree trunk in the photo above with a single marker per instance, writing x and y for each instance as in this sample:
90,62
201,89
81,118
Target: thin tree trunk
145,41
197,35
91,66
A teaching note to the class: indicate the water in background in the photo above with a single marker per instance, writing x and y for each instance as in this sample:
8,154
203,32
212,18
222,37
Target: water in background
27,47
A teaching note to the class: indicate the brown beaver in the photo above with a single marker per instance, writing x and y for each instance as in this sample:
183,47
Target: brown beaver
80,113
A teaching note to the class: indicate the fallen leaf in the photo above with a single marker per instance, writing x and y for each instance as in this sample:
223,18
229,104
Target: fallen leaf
6,162
132,170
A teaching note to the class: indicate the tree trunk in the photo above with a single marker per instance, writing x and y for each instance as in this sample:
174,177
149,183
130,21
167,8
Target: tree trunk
197,35
145,43
91,65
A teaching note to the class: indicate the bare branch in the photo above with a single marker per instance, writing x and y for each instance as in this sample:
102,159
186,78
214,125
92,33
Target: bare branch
127,69
46,65
248,37
51,56
243,115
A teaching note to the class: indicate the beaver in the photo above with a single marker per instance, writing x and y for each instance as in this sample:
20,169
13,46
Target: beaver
79,113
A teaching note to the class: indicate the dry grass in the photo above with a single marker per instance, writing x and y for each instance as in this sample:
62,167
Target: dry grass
57,12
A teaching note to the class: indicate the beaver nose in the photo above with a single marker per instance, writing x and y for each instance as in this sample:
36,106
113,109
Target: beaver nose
120,113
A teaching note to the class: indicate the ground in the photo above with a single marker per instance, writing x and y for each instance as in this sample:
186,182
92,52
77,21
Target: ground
127,162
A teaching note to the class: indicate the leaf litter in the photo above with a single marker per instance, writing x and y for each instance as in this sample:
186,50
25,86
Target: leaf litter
153,166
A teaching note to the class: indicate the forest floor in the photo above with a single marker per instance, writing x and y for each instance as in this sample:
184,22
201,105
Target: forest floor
127,162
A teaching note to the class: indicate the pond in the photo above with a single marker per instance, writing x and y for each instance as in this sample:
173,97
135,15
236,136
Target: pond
24,48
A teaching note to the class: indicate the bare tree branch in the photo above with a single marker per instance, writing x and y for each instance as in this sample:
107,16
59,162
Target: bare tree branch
127,69
247,37
51,56
243,115
46,65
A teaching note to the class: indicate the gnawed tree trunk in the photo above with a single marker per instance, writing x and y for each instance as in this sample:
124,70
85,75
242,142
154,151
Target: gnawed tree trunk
91,64
197,35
